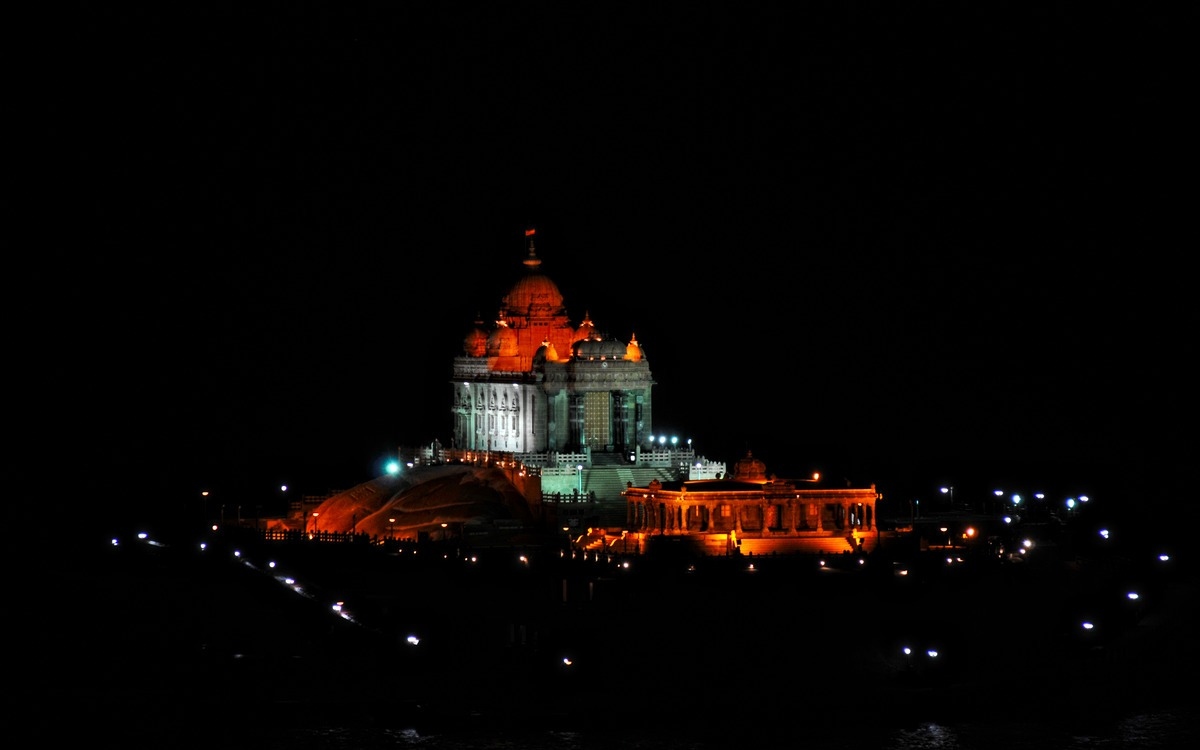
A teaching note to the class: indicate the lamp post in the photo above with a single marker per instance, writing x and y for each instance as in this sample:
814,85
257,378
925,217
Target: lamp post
203,506
314,519
949,490
579,477
391,528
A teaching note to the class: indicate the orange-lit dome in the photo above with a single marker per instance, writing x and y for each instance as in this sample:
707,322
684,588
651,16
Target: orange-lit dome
533,292
633,352
586,329
749,468
502,342
545,353
475,344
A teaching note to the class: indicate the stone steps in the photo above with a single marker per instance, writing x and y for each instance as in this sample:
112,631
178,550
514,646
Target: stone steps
609,483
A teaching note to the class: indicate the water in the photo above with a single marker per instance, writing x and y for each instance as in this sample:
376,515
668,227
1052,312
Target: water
1158,728
153,648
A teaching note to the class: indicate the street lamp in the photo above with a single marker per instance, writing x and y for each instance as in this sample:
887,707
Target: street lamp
391,528
579,476
949,490
314,518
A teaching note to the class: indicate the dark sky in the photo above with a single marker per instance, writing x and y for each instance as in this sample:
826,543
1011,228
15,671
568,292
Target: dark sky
909,245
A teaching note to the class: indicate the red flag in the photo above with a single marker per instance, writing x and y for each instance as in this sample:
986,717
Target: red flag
529,232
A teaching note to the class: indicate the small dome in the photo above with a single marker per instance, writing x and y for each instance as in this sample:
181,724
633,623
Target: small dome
586,329
475,344
502,342
749,468
545,353
598,348
633,352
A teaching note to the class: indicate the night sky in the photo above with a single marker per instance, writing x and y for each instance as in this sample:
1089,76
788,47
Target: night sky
910,246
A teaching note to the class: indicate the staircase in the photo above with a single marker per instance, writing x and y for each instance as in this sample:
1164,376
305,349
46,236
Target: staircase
609,480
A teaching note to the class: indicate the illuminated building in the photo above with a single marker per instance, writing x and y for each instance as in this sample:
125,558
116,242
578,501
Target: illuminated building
535,390
751,512
534,383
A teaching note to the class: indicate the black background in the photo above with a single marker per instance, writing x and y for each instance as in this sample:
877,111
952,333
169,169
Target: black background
913,245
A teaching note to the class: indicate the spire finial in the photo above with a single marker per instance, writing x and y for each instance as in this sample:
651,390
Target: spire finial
532,261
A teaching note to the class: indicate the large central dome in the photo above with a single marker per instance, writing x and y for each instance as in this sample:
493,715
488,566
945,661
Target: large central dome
534,291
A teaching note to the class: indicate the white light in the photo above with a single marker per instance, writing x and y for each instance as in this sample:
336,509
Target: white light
1132,596
413,640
